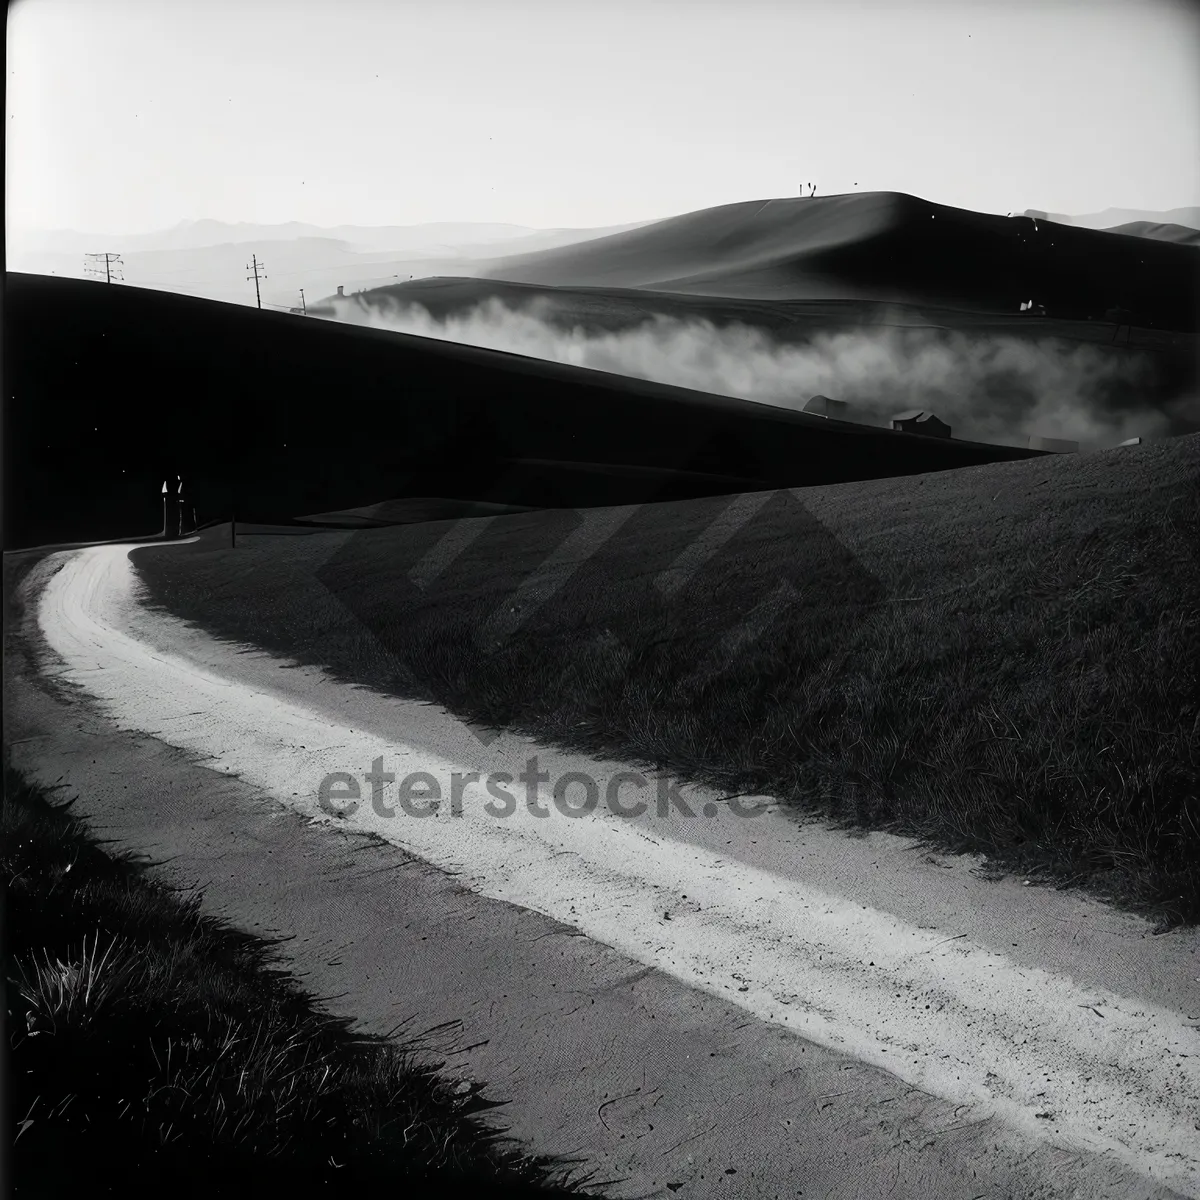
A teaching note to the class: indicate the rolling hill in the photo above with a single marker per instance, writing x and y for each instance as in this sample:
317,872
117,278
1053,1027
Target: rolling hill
1164,232
882,246
1113,218
877,297
597,310
1002,658
111,389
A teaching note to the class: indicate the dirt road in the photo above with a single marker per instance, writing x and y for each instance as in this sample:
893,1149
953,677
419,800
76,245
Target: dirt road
970,1038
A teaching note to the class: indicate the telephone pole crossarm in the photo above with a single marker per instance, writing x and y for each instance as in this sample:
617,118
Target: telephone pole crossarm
255,266
110,261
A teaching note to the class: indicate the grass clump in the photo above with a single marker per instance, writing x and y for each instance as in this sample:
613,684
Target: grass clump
152,1047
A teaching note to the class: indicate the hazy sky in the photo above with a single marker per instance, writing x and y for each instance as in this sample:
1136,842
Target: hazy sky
128,116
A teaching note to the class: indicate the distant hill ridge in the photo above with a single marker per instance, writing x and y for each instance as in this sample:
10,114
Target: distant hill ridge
278,416
1117,220
883,246
195,235
206,258
1164,232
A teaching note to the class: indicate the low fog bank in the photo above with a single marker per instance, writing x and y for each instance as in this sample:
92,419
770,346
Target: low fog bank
989,388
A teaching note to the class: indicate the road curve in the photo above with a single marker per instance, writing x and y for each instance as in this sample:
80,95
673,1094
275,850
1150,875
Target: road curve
788,921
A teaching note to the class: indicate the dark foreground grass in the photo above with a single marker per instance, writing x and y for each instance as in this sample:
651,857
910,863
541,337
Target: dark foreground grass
155,1050
1000,659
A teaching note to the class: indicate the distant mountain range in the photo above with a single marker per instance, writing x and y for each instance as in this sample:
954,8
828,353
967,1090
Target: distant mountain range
1174,225
193,235
806,247
209,258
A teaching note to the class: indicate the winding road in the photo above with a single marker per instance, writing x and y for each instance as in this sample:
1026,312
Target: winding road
1064,1028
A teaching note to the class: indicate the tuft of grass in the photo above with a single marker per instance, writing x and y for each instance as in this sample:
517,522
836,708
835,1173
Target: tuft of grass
154,1047
1002,659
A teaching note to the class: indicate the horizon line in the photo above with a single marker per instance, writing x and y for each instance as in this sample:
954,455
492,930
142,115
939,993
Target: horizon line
189,221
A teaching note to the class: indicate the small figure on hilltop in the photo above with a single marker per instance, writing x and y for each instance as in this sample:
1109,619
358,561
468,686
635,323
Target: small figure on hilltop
1120,316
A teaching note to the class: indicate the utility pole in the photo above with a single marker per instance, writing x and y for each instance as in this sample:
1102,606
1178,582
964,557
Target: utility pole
110,260
303,306
172,511
256,267
183,507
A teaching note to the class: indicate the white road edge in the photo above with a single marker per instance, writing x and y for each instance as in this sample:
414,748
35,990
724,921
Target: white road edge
1068,1063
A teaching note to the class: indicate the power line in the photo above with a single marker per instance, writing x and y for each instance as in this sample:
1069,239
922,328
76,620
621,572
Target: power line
110,260
288,308
256,267
182,271
342,268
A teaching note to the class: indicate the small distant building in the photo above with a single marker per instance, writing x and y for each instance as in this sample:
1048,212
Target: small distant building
917,420
1057,445
340,291
822,406
1133,441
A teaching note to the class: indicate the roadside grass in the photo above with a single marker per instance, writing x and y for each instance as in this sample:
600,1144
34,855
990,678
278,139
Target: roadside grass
152,1046
1003,659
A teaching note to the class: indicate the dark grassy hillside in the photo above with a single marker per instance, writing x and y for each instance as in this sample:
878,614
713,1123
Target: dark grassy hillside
410,511
1001,659
884,246
158,1051
111,388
